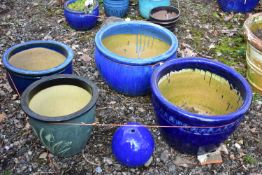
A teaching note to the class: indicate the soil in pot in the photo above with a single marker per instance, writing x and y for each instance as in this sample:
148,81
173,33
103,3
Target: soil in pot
164,15
135,45
200,92
59,100
37,59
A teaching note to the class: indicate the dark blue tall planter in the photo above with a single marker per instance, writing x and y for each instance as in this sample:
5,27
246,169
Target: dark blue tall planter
218,128
19,79
239,6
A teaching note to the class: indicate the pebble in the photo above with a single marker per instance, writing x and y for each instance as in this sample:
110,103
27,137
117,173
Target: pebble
172,169
99,169
30,153
164,156
43,155
108,161
237,146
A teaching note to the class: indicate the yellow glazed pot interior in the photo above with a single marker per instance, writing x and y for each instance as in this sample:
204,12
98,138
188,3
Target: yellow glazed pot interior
201,92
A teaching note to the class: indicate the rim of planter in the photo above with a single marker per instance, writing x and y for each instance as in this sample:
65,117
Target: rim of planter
251,37
156,9
35,44
41,84
75,11
203,63
137,61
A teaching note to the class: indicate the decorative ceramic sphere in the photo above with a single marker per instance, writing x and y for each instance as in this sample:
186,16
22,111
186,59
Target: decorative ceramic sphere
132,145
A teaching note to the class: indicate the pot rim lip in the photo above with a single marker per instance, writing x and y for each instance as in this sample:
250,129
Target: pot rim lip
197,117
250,35
75,11
25,98
174,19
38,43
137,61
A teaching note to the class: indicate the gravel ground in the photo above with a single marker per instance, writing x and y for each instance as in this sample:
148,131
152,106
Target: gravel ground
202,30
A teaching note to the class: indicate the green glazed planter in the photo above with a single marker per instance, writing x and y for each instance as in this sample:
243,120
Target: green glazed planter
60,135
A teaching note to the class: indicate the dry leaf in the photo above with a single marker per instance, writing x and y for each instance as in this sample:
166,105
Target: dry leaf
2,117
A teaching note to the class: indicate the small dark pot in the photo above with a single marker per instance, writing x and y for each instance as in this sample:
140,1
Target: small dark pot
169,9
167,23
81,20
20,79
217,128
59,137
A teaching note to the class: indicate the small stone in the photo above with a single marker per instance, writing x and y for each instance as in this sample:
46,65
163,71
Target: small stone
253,130
224,149
141,110
172,169
232,157
43,155
86,58
108,161
237,146
99,169
164,156
29,153
59,21
241,142
7,148
206,158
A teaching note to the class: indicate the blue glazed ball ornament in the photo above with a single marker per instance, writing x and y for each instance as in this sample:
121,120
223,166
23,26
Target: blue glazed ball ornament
132,145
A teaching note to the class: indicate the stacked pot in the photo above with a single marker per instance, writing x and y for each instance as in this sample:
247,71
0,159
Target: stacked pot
116,8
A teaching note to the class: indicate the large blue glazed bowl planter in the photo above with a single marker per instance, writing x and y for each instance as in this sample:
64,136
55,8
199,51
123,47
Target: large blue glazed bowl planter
62,136
81,20
218,128
20,79
239,6
131,76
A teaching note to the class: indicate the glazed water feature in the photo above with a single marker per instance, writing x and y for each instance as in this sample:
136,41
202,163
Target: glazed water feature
37,59
60,100
55,105
133,144
135,46
180,89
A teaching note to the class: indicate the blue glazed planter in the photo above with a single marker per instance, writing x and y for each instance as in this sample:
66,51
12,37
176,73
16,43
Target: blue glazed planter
133,145
145,6
116,8
58,134
239,6
190,139
131,76
80,20
21,78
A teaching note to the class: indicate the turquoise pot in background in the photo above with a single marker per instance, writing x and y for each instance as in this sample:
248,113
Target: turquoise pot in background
145,6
